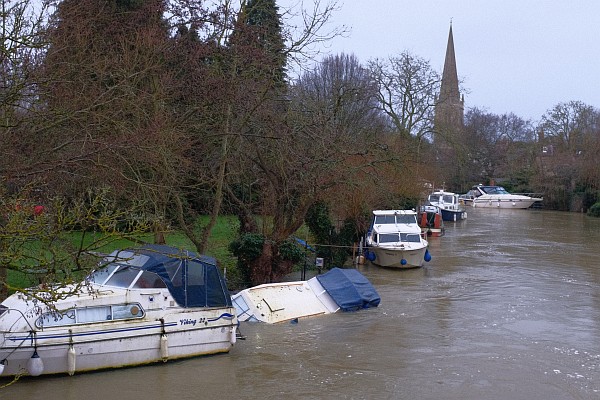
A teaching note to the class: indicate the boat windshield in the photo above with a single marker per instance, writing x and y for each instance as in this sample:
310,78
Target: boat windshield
100,276
448,198
123,276
395,219
494,190
149,280
385,219
399,237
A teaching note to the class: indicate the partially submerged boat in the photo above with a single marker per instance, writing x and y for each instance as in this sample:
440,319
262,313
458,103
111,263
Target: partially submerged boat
148,304
491,196
337,289
394,240
448,202
431,222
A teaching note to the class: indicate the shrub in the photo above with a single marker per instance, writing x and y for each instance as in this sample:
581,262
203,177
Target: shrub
594,210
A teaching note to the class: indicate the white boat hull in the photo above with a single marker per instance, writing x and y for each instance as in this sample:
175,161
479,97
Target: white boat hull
120,344
279,302
517,203
395,240
491,196
399,258
141,316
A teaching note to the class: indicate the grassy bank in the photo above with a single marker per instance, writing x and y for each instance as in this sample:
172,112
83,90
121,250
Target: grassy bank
224,232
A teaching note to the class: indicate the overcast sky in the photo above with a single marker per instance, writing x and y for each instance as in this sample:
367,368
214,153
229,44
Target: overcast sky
519,56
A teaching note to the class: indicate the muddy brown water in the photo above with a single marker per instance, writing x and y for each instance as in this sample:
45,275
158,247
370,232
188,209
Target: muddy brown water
508,308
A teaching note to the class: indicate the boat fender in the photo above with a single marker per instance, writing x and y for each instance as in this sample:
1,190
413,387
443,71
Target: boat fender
427,256
2,365
403,261
71,360
370,256
35,365
164,347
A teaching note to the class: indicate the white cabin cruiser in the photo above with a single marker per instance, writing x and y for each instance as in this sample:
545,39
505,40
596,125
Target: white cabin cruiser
449,204
491,196
394,240
148,304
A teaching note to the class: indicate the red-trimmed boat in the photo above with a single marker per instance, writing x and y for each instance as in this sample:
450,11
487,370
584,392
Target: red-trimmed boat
431,221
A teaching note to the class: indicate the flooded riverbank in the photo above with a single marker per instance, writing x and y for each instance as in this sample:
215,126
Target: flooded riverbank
508,308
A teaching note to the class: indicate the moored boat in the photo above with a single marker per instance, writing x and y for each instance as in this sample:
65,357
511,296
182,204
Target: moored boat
449,204
148,304
337,289
491,196
394,240
431,222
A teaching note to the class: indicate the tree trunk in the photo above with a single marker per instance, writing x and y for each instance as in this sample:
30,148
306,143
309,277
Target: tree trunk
3,288
260,269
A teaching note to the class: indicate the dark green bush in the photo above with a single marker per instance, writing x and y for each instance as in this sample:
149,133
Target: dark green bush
594,210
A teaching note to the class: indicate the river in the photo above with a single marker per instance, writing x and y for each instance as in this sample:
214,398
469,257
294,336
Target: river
508,308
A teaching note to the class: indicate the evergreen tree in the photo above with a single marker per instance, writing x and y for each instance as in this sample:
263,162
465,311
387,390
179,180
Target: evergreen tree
258,38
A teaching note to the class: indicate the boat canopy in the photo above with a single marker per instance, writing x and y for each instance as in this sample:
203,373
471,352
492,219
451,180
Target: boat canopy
193,280
349,289
493,189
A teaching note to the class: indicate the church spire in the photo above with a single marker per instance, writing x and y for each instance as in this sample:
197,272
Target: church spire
449,111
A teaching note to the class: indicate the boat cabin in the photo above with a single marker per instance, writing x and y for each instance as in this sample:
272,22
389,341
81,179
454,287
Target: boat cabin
193,280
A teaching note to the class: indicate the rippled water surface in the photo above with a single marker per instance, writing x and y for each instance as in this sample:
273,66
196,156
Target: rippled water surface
509,308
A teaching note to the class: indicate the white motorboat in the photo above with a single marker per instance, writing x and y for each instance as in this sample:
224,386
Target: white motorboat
491,196
449,204
345,289
145,305
394,240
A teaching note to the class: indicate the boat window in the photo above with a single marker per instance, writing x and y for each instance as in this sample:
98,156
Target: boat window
175,270
123,277
448,198
410,237
494,190
56,318
406,219
195,273
128,258
387,238
102,275
126,311
149,280
434,198
385,219
93,314
90,314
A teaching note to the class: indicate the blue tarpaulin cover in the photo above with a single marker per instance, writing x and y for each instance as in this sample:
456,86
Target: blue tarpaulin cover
194,280
349,289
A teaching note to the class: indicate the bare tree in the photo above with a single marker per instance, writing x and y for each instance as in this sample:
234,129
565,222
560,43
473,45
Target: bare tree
569,163
569,124
408,87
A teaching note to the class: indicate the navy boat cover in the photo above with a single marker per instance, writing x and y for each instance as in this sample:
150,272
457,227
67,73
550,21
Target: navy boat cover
194,280
349,289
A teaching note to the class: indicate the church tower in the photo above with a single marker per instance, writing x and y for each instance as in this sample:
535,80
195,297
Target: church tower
449,109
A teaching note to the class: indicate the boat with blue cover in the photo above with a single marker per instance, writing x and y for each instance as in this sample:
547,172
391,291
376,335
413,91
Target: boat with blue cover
143,305
337,289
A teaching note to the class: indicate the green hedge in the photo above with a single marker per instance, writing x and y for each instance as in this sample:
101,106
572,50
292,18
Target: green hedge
594,210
